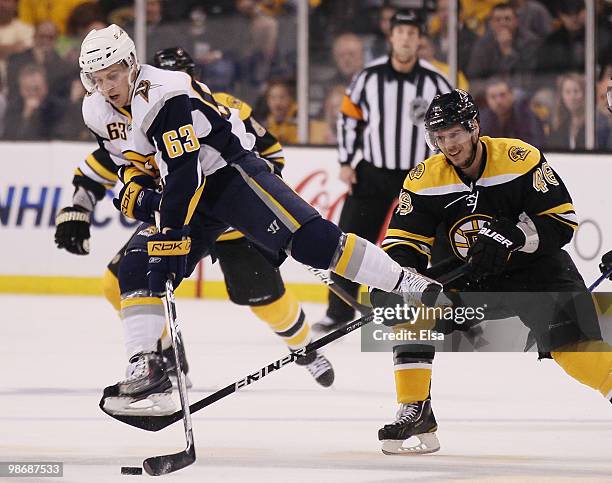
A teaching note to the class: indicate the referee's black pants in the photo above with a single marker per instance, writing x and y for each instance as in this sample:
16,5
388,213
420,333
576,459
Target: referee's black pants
364,213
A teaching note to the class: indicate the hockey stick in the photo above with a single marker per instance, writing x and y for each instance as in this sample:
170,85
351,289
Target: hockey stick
339,291
156,423
164,464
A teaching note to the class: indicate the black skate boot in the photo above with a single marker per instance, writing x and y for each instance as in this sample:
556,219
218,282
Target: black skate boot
146,390
169,362
319,367
413,419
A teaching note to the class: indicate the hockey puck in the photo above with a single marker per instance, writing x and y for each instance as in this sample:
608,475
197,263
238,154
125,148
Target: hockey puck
131,470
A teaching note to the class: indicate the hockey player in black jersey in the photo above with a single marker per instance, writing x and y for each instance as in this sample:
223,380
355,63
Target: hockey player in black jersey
166,124
497,205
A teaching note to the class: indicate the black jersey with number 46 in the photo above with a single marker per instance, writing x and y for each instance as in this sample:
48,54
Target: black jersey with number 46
516,182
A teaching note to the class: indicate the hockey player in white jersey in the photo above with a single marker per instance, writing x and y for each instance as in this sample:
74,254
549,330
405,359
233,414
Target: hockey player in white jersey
164,123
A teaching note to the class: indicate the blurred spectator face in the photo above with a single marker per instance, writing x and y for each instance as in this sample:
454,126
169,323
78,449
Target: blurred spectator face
503,19
384,22
246,7
279,101
348,54
603,89
572,95
33,86
154,11
573,21
426,49
333,101
500,98
8,10
442,11
113,84
404,40
45,36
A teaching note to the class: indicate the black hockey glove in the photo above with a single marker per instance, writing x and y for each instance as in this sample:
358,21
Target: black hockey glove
72,230
138,199
492,248
167,258
606,263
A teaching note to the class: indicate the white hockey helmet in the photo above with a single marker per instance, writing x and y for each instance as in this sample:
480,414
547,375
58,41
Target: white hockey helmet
103,48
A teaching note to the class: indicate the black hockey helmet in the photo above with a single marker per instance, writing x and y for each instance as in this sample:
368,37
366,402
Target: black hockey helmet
174,58
407,17
450,109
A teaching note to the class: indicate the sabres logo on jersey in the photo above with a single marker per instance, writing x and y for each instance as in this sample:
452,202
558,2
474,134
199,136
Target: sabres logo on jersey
518,153
417,172
143,88
463,233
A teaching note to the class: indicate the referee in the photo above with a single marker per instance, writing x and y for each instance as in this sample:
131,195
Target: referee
382,117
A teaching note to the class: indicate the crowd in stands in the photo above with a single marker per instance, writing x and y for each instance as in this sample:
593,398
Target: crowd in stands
523,60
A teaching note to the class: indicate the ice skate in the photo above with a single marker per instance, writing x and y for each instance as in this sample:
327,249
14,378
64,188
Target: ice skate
319,367
147,390
413,432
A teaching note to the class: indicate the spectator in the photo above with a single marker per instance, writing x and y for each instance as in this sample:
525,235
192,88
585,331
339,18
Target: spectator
348,58
33,114
569,124
507,118
35,11
475,13
506,50
281,120
426,52
563,50
542,104
534,17
438,29
58,72
66,128
333,101
260,48
379,45
348,54
15,36
82,20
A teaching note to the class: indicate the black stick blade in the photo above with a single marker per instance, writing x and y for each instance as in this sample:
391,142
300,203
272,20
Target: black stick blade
164,464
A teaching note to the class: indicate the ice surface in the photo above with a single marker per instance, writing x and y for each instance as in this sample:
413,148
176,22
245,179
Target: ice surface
502,417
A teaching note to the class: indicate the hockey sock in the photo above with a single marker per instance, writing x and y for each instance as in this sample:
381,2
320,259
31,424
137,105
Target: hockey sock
589,362
286,318
363,262
110,288
412,365
143,323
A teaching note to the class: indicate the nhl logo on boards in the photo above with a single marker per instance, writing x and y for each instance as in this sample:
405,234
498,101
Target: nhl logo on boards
463,233
417,172
405,204
518,153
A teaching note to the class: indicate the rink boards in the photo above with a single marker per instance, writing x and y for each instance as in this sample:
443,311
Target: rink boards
36,184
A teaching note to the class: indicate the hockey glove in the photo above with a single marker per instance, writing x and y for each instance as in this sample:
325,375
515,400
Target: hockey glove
167,258
606,263
138,199
72,230
491,251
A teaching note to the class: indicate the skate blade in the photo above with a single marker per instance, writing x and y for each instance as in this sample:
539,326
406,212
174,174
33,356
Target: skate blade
427,443
160,404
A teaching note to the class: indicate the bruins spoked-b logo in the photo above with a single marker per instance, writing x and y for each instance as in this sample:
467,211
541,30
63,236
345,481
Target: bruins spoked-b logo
463,233
518,153
405,204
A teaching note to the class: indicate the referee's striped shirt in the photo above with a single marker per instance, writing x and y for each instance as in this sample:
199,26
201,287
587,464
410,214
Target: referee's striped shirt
382,112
